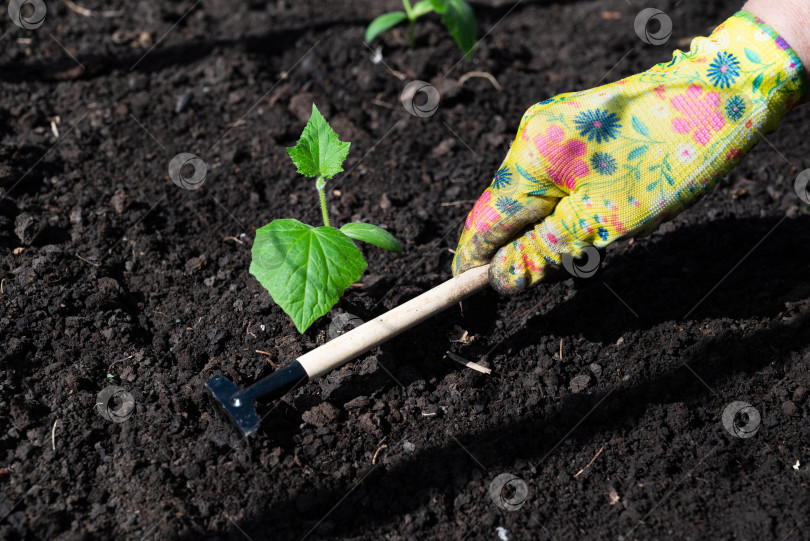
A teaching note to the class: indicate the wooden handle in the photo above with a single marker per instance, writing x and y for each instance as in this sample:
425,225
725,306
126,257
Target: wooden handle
371,334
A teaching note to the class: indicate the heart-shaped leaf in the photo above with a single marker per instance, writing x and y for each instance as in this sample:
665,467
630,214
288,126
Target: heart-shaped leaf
306,269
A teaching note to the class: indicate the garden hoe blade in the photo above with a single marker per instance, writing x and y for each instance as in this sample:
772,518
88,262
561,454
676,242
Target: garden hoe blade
238,403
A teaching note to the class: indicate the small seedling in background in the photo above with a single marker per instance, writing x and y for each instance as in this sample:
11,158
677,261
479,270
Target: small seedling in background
306,269
110,378
457,17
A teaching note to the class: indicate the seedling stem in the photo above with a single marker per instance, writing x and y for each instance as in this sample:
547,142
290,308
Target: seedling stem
320,184
411,22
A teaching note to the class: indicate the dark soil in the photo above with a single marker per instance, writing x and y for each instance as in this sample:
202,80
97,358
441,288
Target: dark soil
109,268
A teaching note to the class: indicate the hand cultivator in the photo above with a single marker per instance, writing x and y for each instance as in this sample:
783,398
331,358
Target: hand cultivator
238,402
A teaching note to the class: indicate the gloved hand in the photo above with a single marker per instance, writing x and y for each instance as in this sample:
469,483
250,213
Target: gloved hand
618,160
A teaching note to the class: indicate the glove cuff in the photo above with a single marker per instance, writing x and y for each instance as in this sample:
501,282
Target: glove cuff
777,47
746,55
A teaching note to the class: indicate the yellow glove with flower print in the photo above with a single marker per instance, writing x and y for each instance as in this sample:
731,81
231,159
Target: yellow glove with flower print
592,167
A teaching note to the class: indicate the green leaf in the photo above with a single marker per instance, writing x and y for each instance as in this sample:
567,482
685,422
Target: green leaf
639,126
459,19
305,269
752,56
544,187
756,83
319,152
422,7
372,235
525,174
637,152
635,171
383,23
439,6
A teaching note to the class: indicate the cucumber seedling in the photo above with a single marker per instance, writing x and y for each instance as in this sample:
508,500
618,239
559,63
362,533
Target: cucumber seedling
457,17
306,269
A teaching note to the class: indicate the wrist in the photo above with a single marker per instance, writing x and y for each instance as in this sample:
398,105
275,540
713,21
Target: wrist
789,19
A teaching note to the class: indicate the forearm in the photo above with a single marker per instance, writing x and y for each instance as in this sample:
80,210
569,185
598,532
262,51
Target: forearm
790,19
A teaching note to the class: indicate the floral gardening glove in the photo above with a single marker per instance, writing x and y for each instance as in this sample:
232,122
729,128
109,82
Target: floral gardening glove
618,160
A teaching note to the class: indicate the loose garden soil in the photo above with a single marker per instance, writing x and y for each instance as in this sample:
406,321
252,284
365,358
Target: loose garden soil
606,394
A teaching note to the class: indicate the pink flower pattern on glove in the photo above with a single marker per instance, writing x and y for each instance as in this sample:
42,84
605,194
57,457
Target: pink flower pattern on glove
700,114
566,160
482,215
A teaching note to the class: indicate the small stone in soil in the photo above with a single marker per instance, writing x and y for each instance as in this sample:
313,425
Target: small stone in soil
408,447
182,101
119,201
24,227
580,382
385,203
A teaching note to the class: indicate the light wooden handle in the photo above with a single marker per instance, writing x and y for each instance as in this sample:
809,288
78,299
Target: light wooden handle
371,334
